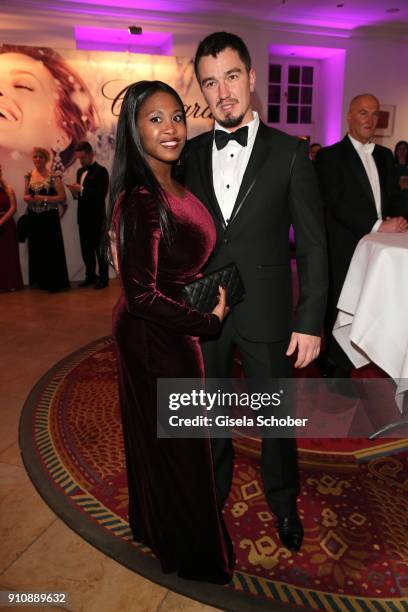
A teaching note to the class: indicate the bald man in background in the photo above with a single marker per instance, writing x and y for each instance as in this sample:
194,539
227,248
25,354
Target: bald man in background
359,187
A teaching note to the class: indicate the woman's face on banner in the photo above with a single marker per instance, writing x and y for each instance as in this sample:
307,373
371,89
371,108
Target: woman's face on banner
28,99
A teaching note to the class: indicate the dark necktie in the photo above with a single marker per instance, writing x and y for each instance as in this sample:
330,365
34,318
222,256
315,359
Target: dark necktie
222,138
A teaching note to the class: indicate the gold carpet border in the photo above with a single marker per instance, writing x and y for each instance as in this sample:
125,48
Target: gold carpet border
317,600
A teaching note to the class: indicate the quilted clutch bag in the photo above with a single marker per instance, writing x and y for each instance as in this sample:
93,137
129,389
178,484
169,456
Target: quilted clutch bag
202,294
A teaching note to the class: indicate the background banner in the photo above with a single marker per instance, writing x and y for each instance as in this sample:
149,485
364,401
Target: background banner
54,98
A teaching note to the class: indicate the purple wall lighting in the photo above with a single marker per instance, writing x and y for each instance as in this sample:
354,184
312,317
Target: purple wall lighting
304,52
140,5
109,39
331,84
331,96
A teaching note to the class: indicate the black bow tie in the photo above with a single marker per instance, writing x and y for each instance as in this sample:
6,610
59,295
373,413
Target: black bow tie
222,138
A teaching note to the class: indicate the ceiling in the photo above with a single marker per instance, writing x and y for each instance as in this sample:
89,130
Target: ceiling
339,14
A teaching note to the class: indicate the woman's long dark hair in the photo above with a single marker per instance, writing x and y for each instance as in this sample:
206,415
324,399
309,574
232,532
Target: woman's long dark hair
130,169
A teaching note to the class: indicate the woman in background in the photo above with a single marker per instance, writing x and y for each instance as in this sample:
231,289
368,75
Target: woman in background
10,273
401,161
45,196
165,236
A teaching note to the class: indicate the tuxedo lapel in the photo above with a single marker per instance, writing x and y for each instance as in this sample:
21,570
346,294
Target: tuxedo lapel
259,154
206,170
358,169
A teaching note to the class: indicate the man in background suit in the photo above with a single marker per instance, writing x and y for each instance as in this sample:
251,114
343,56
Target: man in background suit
91,188
256,181
359,186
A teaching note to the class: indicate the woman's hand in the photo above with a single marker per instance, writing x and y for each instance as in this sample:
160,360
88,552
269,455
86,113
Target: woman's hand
221,310
114,250
28,198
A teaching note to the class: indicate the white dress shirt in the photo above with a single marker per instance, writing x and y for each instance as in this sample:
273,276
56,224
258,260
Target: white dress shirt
365,152
229,165
81,180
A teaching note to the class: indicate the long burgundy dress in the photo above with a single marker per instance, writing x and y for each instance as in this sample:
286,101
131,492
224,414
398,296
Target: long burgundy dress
172,501
10,272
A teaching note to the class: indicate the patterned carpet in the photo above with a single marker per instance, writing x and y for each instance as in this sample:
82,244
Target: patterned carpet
353,502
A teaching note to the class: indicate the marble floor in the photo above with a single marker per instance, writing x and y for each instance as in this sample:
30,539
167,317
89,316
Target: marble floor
38,551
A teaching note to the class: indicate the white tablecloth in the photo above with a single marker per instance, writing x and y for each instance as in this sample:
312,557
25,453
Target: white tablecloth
372,323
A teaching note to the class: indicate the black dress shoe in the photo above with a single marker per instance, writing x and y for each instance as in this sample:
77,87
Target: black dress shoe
87,282
290,531
101,284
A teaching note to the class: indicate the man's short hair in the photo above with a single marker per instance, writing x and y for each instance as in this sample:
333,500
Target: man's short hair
217,42
85,147
357,98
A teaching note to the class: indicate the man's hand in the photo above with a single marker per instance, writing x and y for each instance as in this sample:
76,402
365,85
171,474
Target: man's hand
394,225
308,348
403,182
74,188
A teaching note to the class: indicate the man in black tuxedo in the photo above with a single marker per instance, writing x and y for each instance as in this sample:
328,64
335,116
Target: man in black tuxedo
91,188
256,181
359,187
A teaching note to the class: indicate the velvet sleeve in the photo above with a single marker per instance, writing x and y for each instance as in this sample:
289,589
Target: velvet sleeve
138,269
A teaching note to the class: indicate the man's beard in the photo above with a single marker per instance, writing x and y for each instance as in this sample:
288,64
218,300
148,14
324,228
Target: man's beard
231,122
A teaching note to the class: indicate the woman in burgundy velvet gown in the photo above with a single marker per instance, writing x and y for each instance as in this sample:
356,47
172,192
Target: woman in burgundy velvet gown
166,237
10,272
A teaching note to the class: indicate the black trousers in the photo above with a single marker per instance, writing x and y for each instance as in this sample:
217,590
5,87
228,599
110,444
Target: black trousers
90,236
279,466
